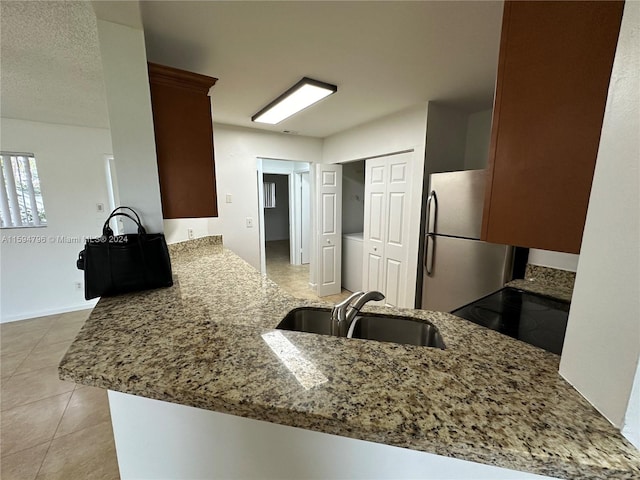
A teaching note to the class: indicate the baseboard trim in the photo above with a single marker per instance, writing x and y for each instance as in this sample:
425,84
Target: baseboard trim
52,311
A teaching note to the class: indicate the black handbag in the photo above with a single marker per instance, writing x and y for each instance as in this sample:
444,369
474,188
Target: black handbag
124,263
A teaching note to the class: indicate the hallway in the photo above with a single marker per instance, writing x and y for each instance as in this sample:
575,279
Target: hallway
294,279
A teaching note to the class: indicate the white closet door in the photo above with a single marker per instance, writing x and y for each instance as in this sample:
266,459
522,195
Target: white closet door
396,248
386,226
329,209
374,224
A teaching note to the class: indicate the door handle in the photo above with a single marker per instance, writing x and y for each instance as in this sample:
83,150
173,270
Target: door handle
428,259
433,198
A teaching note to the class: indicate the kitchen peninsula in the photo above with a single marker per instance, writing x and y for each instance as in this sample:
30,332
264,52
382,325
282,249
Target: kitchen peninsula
209,342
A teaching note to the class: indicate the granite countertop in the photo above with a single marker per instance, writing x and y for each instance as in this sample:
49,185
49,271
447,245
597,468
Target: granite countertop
205,343
551,282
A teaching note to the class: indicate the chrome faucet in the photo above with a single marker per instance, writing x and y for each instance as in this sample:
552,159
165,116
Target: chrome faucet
339,314
343,313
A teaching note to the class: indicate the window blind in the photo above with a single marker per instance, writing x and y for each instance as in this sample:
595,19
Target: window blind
21,203
269,195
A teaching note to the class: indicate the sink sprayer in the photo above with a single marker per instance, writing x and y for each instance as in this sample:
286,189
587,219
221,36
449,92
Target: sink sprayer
344,312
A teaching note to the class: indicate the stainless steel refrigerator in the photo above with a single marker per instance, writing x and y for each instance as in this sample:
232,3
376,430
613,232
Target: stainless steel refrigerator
458,267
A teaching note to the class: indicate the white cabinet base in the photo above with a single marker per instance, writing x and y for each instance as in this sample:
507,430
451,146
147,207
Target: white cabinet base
161,440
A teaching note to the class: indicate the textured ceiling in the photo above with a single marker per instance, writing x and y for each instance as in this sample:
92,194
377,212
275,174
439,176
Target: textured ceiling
384,56
50,68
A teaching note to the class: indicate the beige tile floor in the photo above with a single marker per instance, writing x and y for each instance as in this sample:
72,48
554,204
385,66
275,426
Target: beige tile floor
50,429
293,279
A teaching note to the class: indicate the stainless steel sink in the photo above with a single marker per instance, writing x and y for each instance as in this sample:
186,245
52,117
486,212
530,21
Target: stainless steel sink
383,328
394,329
307,319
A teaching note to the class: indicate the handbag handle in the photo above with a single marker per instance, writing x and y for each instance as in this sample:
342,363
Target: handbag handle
128,208
108,232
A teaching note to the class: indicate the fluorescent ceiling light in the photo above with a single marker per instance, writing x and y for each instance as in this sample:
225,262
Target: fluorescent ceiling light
303,94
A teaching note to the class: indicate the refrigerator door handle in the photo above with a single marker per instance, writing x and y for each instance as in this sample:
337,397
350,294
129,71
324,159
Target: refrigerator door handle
433,198
432,201
428,259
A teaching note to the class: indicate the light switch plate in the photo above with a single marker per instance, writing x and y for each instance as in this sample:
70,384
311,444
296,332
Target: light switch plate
229,198
249,222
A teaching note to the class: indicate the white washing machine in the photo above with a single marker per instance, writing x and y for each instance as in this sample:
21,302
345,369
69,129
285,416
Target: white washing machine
352,261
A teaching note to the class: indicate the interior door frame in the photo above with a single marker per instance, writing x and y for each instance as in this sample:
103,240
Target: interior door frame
298,215
261,229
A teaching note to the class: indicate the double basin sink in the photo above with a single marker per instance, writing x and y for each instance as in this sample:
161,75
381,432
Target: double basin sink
366,326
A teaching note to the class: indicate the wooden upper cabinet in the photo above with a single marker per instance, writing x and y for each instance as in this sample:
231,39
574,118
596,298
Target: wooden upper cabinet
184,142
553,76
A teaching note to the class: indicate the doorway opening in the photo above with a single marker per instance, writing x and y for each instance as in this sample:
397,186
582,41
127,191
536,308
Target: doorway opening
276,220
353,183
284,197
375,236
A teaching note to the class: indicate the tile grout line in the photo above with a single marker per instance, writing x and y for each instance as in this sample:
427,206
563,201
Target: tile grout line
55,431
2,412
39,399
27,448
65,409
82,430
38,344
25,358
31,352
14,374
64,340
34,346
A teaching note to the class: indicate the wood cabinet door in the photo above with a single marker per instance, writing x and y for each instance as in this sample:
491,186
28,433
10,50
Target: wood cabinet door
553,75
184,142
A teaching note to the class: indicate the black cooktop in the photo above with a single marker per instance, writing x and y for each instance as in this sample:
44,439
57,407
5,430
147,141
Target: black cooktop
526,316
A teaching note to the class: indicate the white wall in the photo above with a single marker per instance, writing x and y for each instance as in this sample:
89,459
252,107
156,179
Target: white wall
128,97
177,229
476,153
559,260
124,64
602,343
446,139
276,220
402,131
39,278
236,151
353,197
126,78
394,133
631,426
283,167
